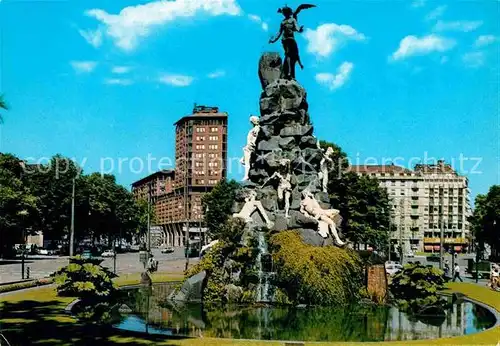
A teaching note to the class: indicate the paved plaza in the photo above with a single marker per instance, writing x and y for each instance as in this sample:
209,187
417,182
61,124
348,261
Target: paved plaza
10,270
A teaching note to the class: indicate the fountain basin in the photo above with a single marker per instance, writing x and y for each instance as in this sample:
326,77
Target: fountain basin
150,314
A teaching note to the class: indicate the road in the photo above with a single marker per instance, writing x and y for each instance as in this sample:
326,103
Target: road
43,266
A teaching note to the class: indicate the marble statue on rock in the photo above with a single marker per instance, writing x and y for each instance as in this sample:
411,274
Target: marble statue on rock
249,148
325,166
252,205
327,218
284,184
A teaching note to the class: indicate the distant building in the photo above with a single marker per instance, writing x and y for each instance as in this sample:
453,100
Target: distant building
201,157
423,200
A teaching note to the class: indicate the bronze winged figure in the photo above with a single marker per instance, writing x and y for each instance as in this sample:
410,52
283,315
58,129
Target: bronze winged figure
288,27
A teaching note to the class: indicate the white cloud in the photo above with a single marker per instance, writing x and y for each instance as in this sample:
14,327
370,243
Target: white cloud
121,69
436,13
216,74
458,25
335,81
93,37
83,66
473,59
118,81
134,23
413,45
485,40
327,38
255,18
418,3
176,80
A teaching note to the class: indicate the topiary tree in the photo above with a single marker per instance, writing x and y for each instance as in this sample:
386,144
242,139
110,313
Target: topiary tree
86,279
416,287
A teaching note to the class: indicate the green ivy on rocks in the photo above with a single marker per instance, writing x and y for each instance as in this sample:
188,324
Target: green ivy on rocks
314,275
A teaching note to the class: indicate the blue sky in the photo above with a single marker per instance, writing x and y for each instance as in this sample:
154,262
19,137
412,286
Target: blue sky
385,79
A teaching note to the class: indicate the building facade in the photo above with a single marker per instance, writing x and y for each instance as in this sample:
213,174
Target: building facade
423,201
201,159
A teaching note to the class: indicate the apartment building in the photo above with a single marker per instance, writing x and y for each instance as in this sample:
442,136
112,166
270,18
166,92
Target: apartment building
424,200
201,157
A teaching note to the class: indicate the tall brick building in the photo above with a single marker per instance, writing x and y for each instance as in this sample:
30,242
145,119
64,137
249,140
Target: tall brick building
201,157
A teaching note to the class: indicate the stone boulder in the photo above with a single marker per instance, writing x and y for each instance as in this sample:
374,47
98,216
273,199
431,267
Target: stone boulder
312,237
192,289
269,68
299,220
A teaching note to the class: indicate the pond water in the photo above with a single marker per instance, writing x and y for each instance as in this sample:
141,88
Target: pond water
146,311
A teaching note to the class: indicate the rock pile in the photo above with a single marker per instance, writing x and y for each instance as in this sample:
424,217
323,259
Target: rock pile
286,132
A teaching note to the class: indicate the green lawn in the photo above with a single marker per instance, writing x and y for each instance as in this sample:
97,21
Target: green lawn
36,317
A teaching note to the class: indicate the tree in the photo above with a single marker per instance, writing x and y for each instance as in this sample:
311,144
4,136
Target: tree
52,184
217,206
3,106
485,221
363,204
17,205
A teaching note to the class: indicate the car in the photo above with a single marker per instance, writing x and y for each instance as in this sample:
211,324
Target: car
108,253
168,249
392,269
410,254
44,252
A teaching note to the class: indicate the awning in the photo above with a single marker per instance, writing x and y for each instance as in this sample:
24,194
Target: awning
428,247
458,248
436,247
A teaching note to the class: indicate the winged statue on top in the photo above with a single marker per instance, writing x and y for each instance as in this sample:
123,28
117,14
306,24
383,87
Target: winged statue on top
289,26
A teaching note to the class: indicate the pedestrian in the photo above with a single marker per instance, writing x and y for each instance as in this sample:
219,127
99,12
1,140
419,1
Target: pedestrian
457,273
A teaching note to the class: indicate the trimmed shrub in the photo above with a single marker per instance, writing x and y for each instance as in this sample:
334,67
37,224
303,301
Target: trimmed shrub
315,275
27,284
86,279
416,287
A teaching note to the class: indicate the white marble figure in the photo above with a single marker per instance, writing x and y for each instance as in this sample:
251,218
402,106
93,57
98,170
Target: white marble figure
250,206
325,165
327,218
285,185
249,149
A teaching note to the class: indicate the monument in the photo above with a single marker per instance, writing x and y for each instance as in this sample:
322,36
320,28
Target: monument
284,186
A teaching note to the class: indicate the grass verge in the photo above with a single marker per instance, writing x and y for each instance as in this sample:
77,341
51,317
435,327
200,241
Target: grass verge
36,316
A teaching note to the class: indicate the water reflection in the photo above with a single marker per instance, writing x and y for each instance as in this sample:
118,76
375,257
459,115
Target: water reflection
354,323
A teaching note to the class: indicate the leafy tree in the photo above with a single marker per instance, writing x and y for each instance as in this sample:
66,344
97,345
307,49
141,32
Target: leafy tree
3,106
363,204
218,205
52,183
485,221
17,204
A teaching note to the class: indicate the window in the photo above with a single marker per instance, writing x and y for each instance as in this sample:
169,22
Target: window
213,155
200,146
212,146
213,138
214,129
212,164
200,129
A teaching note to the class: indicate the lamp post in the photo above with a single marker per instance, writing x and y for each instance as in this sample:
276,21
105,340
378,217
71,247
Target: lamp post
72,232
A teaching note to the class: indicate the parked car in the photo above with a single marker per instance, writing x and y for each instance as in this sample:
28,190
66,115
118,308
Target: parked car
392,269
168,249
46,252
410,254
108,253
